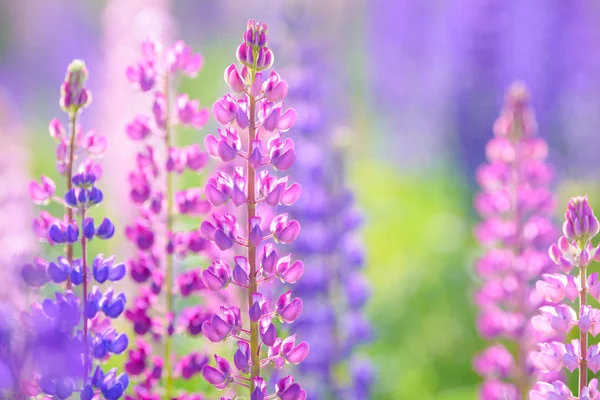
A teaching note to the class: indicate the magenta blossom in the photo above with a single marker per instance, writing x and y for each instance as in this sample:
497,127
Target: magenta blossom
161,245
574,250
253,119
515,205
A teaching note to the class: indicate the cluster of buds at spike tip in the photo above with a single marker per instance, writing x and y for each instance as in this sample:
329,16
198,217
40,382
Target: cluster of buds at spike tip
74,95
574,251
160,248
253,52
254,109
69,335
516,206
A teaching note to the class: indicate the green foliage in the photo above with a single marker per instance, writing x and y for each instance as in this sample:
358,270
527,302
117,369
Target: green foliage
417,234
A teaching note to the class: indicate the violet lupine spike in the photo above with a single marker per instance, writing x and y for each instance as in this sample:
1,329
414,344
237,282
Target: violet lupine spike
516,204
254,109
68,338
335,292
73,146
153,232
573,252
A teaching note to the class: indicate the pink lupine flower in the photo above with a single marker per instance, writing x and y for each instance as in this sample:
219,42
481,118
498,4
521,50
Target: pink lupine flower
495,361
253,111
550,391
554,320
556,287
160,245
574,250
41,193
550,356
515,205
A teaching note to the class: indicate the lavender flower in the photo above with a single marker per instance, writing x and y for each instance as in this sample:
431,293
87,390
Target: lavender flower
256,106
153,232
68,337
515,204
335,292
573,251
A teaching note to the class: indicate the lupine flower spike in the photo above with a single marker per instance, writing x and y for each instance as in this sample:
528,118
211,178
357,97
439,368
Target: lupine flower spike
253,111
574,251
71,337
74,146
335,292
515,204
159,246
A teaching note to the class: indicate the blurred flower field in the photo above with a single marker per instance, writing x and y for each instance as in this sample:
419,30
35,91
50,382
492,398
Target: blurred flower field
391,148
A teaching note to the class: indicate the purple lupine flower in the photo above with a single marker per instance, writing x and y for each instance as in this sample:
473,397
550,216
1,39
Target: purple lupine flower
334,293
67,337
515,203
573,251
253,109
75,151
160,246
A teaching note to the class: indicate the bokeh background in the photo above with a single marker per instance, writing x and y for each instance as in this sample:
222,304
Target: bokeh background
414,87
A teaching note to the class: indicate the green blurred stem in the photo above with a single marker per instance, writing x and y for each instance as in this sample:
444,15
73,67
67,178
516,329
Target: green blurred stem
84,296
522,379
69,211
253,286
169,256
583,336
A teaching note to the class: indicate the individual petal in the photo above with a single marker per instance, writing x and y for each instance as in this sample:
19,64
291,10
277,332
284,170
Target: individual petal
105,230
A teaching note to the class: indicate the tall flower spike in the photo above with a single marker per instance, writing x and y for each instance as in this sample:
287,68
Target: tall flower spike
252,113
70,337
334,292
75,151
115,100
161,247
515,204
573,252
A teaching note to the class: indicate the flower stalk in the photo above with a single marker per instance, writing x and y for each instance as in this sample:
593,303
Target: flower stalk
255,106
72,336
516,206
169,255
253,285
68,210
572,251
161,246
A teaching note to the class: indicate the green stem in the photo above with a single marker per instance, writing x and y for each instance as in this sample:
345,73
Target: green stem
583,336
69,210
522,380
253,286
84,299
169,256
